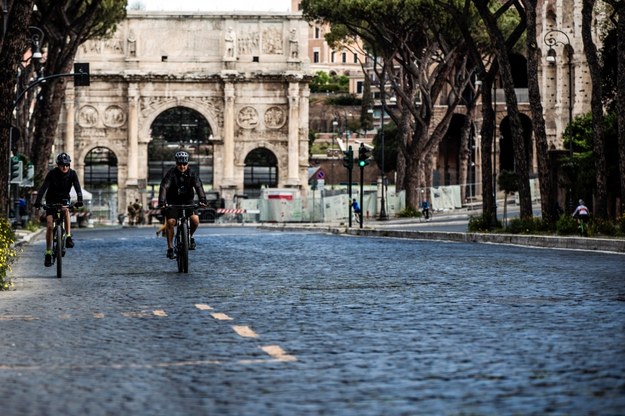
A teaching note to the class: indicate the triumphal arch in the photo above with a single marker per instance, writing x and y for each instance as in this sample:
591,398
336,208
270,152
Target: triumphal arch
230,88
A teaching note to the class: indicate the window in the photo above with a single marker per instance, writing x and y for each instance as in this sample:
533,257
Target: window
332,57
317,32
344,57
355,58
316,57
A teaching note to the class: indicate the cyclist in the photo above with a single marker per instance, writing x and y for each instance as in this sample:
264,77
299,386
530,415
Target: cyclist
425,209
56,188
356,209
177,188
581,213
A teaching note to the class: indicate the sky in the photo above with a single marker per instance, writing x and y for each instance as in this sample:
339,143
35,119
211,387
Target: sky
215,5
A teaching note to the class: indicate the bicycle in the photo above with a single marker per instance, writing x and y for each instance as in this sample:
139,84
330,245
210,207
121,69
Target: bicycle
182,238
582,225
58,235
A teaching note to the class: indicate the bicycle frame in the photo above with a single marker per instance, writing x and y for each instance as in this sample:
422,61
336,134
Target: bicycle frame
182,237
58,235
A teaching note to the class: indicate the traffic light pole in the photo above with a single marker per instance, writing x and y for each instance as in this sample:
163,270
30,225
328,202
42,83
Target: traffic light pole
362,183
348,163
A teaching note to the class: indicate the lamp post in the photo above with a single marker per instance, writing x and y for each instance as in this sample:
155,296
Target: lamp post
383,216
334,124
551,41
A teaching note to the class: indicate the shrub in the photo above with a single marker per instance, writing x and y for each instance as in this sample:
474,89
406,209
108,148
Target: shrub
528,226
409,212
566,225
479,224
7,252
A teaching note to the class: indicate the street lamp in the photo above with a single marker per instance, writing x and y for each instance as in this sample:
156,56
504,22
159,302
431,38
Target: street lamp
551,41
334,124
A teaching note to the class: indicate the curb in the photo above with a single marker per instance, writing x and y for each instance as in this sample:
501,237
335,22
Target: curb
614,246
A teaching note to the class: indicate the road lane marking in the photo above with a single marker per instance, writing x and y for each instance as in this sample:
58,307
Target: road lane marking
159,312
18,318
203,307
98,315
278,353
221,316
136,314
244,331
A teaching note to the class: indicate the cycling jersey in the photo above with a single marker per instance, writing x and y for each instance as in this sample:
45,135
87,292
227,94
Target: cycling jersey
57,186
178,188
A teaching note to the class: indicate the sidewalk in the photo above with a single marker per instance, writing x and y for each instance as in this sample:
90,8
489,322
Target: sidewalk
388,228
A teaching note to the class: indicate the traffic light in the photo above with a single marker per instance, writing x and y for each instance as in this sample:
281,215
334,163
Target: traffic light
81,75
16,170
348,158
363,156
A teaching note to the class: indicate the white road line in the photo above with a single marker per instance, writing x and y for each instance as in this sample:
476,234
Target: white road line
203,307
159,312
244,331
278,353
221,316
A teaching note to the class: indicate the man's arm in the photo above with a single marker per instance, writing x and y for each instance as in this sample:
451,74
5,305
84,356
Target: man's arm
199,188
165,184
76,184
42,191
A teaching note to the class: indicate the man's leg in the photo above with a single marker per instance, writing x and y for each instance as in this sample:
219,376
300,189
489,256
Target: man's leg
171,223
69,241
48,254
194,222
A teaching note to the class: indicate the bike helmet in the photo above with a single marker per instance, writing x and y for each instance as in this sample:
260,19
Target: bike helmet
581,202
182,157
63,159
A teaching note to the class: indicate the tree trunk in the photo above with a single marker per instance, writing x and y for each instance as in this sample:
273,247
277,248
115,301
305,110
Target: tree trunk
620,11
486,148
548,196
516,128
14,44
594,67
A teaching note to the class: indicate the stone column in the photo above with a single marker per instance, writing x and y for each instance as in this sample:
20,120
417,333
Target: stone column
229,116
133,134
293,147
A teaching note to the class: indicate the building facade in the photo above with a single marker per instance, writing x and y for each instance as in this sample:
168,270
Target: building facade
230,89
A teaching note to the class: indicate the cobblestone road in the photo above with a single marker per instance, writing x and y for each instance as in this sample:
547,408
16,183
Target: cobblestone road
285,323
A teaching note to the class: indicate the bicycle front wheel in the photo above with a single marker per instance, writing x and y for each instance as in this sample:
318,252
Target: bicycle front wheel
58,251
184,248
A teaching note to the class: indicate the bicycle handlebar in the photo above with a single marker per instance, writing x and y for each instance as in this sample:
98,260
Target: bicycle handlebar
57,206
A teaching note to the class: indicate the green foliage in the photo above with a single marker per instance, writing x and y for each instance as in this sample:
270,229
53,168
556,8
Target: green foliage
479,224
409,212
529,226
324,82
344,99
7,252
391,147
566,225
508,181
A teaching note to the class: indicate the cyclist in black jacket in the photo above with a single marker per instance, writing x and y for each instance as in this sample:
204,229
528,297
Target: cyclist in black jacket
56,188
177,188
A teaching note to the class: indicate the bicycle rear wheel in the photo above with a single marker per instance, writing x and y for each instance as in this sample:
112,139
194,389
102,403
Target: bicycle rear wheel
58,250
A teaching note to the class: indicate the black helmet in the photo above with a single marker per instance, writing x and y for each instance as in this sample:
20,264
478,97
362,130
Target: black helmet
63,159
182,157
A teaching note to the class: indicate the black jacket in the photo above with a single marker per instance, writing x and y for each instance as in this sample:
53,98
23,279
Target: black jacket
57,186
178,188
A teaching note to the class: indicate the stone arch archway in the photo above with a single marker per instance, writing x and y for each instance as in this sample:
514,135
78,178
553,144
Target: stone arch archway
506,150
174,129
100,177
261,170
